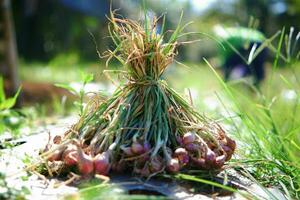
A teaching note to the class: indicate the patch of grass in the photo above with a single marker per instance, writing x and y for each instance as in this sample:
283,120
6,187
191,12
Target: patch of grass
267,124
10,119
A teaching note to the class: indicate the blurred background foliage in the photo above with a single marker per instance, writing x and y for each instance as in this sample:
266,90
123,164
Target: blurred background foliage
47,29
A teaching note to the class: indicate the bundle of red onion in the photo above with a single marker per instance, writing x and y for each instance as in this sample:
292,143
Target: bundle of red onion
145,127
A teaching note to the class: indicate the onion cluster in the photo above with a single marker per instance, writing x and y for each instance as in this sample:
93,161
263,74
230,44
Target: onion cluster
191,152
208,155
74,156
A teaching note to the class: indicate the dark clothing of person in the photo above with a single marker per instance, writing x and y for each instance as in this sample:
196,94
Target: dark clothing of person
236,45
255,68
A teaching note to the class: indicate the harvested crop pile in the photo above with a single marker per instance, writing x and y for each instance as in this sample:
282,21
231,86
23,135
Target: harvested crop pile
145,127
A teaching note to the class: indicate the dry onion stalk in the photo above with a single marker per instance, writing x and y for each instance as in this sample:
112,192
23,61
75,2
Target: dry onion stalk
145,126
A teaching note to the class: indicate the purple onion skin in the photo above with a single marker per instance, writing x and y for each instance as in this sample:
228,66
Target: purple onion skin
220,160
199,162
184,159
231,143
182,155
210,157
173,165
155,165
71,158
192,147
226,148
101,163
85,163
147,147
180,151
228,151
137,148
189,137
179,140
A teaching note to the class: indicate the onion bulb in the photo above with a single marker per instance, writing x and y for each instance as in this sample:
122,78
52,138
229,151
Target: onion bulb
101,163
155,164
173,165
147,147
192,147
189,137
137,148
71,158
220,160
182,155
199,162
210,157
85,162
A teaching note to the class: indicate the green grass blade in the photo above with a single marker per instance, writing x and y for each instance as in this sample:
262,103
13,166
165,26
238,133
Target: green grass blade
264,45
200,180
279,48
163,25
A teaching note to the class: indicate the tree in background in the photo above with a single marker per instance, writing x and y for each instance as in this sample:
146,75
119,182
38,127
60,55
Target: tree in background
9,68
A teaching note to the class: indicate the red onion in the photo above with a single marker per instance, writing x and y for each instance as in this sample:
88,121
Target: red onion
137,148
231,143
101,163
70,155
180,151
173,165
85,162
155,164
220,160
210,157
182,155
228,151
147,147
71,158
192,147
199,162
226,148
189,137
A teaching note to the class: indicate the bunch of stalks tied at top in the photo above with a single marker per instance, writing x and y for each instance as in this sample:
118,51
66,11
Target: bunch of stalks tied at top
145,127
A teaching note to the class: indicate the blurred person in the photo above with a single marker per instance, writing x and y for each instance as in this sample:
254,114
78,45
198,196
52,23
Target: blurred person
235,48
